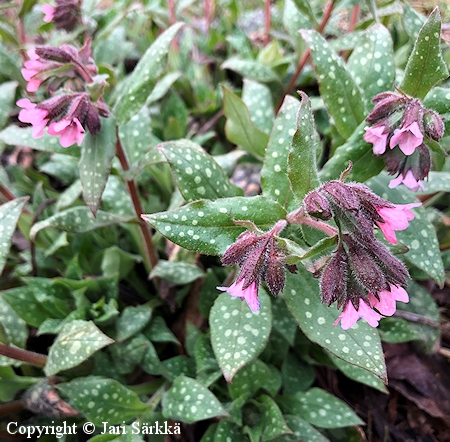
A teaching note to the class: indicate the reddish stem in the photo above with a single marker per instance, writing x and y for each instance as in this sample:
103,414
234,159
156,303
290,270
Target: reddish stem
152,256
300,217
354,18
267,19
29,357
10,196
208,10
172,20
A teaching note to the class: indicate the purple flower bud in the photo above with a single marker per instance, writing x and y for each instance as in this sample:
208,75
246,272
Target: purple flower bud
342,195
318,206
55,54
333,282
387,103
433,125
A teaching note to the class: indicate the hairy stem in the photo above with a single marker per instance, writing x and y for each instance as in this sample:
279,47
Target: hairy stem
151,255
26,356
300,217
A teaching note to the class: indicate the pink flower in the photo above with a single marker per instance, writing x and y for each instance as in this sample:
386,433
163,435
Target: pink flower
71,131
386,305
376,136
250,294
395,218
408,180
407,138
350,315
49,12
32,68
31,114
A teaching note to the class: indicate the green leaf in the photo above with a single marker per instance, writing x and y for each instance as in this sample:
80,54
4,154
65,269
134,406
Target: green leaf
227,432
9,65
158,331
69,196
304,6
271,415
14,326
302,165
251,69
283,322
101,400
372,62
143,79
163,86
420,236
358,374
297,375
274,179
426,65
132,321
320,408
239,128
339,91
258,99
176,272
78,220
356,150
302,431
9,216
74,344
437,182
412,21
237,334
208,226
18,136
97,153
195,172
359,345
204,355
189,401
7,95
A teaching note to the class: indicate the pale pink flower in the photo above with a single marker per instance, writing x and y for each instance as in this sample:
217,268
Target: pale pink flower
70,131
350,315
386,305
49,12
31,114
395,218
408,180
407,138
376,136
32,68
250,294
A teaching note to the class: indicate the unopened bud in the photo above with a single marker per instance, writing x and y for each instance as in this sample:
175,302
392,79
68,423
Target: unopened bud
433,125
333,282
54,54
387,104
318,206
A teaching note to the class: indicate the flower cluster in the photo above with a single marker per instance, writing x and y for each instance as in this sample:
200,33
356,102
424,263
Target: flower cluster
362,275
67,115
260,258
399,125
66,14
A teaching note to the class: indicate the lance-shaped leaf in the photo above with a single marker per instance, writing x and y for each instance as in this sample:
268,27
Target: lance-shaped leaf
238,335
75,343
426,65
302,165
412,21
97,153
7,94
252,69
143,79
258,100
239,128
208,227
78,220
338,89
274,179
372,62
359,345
9,216
195,172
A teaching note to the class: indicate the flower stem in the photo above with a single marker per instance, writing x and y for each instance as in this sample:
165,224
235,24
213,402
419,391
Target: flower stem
151,255
29,357
300,217
267,20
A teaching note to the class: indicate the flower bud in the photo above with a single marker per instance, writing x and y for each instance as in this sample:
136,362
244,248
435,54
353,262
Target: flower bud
55,54
318,206
333,282
386,104
433,125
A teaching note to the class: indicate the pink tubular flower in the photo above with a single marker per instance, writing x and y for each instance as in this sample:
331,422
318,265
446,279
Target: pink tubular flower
386,305
70,131
408,180
250,294
395,218
407,138
32,68
350,315
376,136
49,12
31,114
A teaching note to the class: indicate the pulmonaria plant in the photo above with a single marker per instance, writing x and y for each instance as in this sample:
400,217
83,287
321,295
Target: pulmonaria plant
399,126
66,14
67,115
260,258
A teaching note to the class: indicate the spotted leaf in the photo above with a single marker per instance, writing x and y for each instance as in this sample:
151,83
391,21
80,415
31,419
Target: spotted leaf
237,334
74,344
189,401
195,172
103,400
412,21
426,65
274,179
208,227
359,345
302,431
252,69
275,424
338,89
7,94
132,321
176,272
9,216
258,99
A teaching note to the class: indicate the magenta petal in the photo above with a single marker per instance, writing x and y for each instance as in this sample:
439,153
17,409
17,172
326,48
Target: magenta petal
350,315
250,294
386,305
49,12
400,293
411,183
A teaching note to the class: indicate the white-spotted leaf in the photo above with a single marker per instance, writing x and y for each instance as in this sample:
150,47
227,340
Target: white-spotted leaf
74,344
189,401
258,99
238,335
132,321
302,431
249,379
176,272
7,94
271,414
252,69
